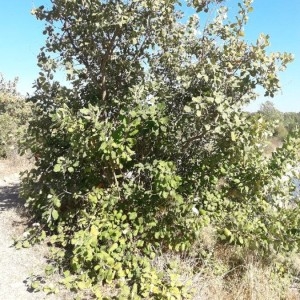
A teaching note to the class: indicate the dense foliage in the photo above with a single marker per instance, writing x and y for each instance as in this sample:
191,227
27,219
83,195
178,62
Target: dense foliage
14,114
147,143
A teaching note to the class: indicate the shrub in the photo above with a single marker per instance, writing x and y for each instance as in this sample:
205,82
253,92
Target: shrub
148,143
14,113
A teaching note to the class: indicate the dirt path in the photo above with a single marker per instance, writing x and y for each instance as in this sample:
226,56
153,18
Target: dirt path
16,265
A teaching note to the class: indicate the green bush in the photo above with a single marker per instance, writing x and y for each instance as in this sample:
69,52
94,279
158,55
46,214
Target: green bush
14,114
149,143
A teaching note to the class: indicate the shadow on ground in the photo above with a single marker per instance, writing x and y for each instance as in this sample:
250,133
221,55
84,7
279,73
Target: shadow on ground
9,197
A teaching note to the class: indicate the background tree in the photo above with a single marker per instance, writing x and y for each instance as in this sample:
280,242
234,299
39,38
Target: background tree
14,114
270,112
148,142
277,119
291,120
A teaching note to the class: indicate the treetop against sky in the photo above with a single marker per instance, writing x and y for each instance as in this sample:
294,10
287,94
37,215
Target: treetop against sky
21,38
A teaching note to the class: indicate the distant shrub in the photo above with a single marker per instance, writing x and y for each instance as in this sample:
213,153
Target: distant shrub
14,114
281,132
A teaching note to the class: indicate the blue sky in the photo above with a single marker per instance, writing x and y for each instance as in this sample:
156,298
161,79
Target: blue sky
21,37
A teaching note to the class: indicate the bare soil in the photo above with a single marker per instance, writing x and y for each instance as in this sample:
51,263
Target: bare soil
16,266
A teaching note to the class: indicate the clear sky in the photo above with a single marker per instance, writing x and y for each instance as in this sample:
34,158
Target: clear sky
21,37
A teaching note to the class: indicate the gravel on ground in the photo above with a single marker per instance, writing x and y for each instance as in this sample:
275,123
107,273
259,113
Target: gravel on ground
16,266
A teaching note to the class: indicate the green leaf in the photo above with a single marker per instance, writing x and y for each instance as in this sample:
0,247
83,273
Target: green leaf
26,244
56,201
35,285
187,109
94,231
233,136
19,245
82,285
49,270
54,214
132,216
76,164
47,289
227,232
57,168
113,247
71,169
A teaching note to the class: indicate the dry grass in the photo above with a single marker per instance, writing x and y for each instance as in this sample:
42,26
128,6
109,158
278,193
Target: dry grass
229,273
258,283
